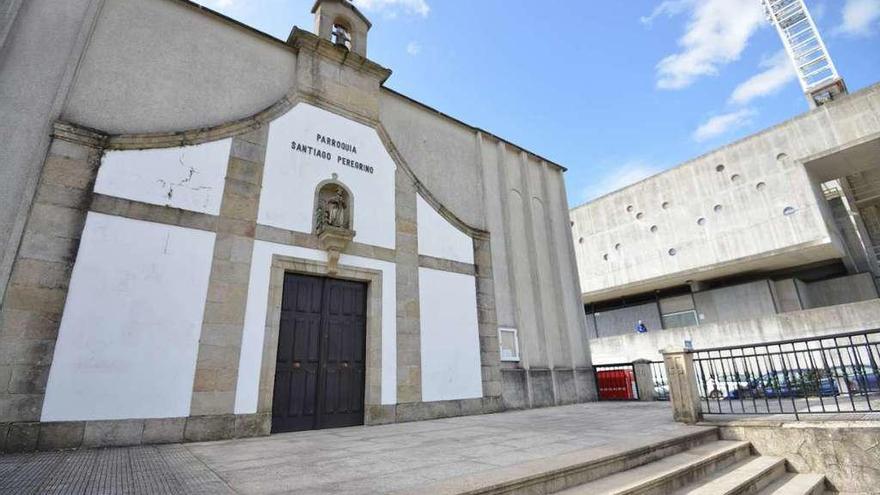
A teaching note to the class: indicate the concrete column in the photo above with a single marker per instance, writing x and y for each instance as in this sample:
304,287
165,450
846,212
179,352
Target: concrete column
683,392
644,379
216,373
409,337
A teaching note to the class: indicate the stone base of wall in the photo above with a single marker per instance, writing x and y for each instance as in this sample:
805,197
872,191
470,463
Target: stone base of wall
523,389
846,452
421,411
31,436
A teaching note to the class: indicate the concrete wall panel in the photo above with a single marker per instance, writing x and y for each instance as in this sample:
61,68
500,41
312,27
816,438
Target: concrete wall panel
441,153
130,331
291,176
162,66
189,178
449,339
797,324
441,239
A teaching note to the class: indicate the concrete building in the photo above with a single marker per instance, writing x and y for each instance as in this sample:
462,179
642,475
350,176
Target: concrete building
775,236
209,233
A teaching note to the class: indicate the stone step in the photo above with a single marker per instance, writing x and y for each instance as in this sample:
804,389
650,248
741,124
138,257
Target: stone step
796,484
666,475
557,473
749,476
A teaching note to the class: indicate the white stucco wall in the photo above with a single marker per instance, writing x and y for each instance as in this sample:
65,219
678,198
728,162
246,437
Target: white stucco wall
129,335
290,176
450,336
247,390
441,239
190,178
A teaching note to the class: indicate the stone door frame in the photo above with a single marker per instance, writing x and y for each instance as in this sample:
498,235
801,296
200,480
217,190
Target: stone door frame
373,375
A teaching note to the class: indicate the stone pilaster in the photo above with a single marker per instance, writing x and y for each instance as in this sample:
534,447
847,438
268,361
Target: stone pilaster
490,353
220,342
644,379
409,342
683,392
34,300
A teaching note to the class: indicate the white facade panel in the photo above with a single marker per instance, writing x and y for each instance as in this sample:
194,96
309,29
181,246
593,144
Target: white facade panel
441,239
129,336
247,390
450,336
309,145
189,178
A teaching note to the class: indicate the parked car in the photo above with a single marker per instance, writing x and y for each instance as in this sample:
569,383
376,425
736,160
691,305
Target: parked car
797,383
661,391
860,379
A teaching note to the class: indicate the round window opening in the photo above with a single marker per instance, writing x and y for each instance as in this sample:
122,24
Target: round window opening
717,208
701,221
639,215
581,240
665,205
572,223
617,247
629,209
719,168
789,210
653,229
735,178
605,257
672,252
760,186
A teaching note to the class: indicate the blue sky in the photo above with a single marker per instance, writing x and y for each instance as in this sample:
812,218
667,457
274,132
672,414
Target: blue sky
615,90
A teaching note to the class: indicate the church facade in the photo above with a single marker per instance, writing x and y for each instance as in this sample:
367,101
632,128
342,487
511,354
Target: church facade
229,235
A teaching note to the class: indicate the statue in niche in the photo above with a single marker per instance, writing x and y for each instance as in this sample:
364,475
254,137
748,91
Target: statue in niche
333,222
332,209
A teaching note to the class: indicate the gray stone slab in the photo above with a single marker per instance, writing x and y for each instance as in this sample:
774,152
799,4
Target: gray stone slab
361,460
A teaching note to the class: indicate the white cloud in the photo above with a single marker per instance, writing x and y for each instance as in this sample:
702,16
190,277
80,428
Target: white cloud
778,71
622,176
859,17
390,7
724,123
716,34
413,48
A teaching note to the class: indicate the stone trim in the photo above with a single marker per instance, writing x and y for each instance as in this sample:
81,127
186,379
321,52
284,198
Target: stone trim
374,411
35,297
216,374
409,341
137,210
487,320
44,436
446,265
301,239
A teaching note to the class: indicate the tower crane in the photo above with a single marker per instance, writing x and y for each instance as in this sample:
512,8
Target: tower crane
819,79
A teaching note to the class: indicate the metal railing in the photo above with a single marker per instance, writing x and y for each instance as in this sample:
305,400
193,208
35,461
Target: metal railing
829,374
616,381
661,383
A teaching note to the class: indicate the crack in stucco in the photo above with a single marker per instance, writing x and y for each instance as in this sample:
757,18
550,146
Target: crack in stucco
190,173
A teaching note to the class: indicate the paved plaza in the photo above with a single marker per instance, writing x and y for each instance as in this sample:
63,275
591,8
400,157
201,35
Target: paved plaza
356,460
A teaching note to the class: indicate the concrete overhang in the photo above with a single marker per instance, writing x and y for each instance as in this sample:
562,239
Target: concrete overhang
846,159
797,255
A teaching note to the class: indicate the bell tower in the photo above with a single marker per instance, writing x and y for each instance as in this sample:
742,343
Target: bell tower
343,24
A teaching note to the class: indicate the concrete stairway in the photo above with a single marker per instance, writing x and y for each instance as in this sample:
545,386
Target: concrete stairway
715,468
697,463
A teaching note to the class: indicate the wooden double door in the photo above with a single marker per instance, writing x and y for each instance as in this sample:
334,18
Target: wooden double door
321,365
